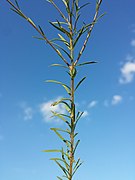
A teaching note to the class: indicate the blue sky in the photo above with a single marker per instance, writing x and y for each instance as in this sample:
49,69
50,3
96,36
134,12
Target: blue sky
107,130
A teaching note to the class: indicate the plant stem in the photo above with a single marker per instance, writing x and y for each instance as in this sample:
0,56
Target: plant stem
72,99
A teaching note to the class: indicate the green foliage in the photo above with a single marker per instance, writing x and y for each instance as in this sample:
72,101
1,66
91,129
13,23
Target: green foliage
65,45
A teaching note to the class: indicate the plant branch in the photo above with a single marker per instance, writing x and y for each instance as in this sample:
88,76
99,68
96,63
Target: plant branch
38,30
89,32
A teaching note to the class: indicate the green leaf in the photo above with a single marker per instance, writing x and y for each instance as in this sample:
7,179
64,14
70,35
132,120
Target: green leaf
59,178
61,29
60,101
78,37
76,21
17,4
61,117
18,12
60,136
101,16
83,6
62,130
38,38
85,63
64,40
59,65
41,30
67,88
62,160
76,164
58,22
80,82
77,168
79,115
52,150
76,146
62,49
66,3
56,151
63,169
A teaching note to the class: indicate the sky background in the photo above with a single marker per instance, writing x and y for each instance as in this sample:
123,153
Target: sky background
107,129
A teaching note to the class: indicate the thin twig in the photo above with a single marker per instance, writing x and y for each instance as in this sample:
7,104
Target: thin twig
89,32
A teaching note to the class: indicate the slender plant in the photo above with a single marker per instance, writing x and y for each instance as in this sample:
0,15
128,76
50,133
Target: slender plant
65,45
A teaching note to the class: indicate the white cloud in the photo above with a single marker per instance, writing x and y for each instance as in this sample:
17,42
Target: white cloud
116,99
92,104
46,108
27,111
85,114
127,72
133,42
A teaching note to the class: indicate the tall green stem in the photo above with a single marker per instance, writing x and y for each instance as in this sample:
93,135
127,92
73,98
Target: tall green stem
72,99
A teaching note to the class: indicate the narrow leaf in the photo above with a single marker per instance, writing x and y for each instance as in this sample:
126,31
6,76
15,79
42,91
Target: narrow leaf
62,49
83,6
80,82
60,136
85,63
60,101
52,150
38,38
67,88
101,16
17,4
63,40
78,37
41,30
62,130
61,117
63,169
60,65
59,159
61,29
59,178
76,146
77,168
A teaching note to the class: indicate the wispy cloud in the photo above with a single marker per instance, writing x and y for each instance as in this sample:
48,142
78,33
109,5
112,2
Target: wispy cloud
127,72
92,104
46,108
116,100
28,111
